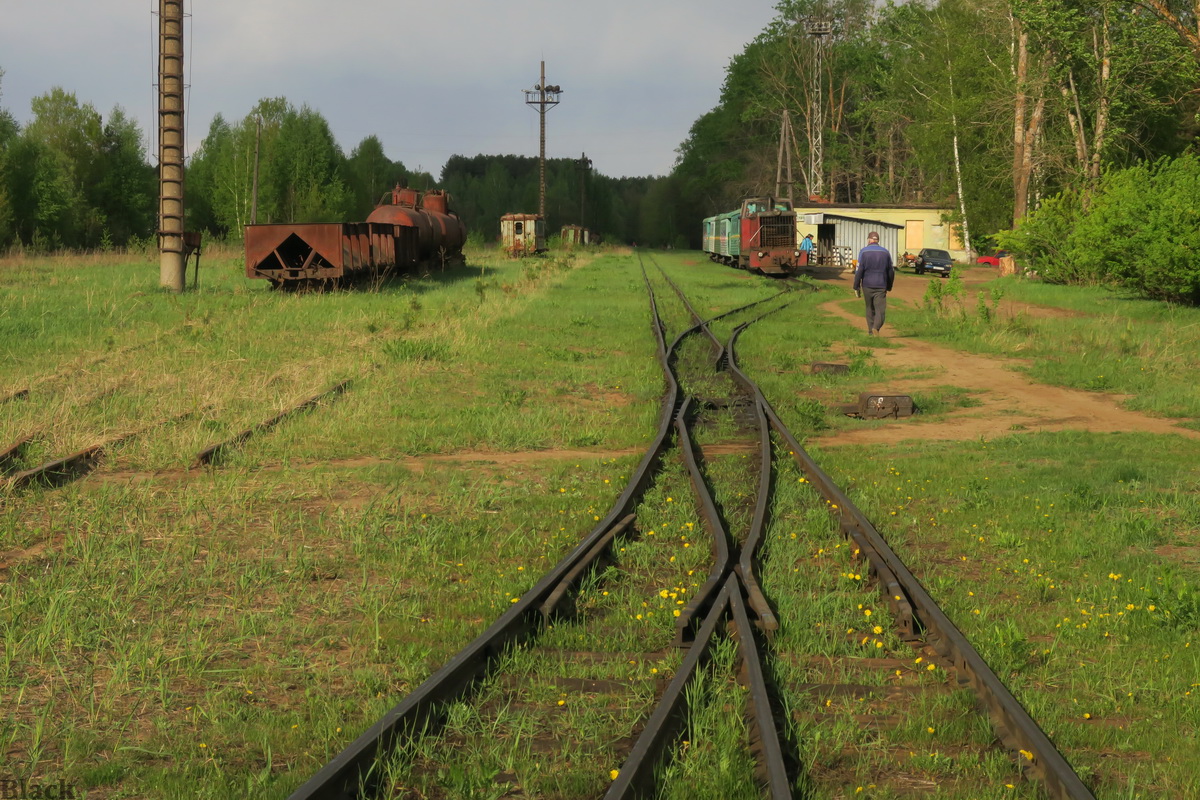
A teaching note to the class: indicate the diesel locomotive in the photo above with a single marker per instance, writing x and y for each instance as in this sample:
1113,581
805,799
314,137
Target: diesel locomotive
759,236
411,231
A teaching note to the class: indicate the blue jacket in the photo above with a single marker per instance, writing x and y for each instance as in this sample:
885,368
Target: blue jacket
875,270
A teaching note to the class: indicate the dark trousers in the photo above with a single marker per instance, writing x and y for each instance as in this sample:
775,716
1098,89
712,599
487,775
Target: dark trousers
876,300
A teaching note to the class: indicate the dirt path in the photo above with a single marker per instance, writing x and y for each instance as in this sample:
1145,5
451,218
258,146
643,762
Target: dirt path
1010,401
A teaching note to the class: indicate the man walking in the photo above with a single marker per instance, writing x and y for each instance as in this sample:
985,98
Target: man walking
874,277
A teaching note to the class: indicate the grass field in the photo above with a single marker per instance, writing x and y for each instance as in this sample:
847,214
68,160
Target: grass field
221,632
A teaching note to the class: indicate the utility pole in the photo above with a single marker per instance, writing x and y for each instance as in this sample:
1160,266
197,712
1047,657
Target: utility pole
171,270
818,29
584,165
543,98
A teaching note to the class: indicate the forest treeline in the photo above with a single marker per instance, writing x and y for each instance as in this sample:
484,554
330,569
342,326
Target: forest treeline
993,109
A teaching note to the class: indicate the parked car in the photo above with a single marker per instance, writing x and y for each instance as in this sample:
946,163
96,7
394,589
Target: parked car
993,260
932,260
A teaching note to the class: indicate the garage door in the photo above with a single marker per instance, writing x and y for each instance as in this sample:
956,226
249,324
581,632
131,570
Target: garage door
914,239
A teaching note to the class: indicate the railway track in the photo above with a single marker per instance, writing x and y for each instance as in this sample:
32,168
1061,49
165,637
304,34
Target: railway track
566,643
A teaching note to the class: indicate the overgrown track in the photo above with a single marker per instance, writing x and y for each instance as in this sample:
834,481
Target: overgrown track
361,769
730,603
917,616
59,471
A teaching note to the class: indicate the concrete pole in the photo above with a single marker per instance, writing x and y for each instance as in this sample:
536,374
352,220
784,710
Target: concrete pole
542,151
170,144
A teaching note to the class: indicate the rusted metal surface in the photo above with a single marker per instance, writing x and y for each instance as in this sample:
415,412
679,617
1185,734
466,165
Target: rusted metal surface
711,519
553,605
763,733
636,778
748,558
883,406
1011,722
522,234
324,251
213,453
409,231
61,470
438,230
14,452
420,713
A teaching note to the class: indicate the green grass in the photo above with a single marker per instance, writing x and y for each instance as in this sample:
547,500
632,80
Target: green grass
221,633
1096,340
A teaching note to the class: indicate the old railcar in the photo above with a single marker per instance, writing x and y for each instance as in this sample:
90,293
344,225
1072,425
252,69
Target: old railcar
296,253
405,234
575,235
522,234
440,233
759,236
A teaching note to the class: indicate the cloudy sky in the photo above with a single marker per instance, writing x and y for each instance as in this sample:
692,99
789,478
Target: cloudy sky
431,79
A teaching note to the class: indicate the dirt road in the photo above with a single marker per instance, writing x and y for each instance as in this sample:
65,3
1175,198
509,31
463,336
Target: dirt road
1009,400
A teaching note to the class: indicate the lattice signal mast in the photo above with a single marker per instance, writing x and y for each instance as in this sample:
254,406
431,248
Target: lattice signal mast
818,29
542,98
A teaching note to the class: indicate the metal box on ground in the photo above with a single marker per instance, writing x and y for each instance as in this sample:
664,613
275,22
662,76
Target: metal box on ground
882,406
873,405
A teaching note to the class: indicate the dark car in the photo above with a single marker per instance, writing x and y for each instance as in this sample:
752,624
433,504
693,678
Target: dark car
933,261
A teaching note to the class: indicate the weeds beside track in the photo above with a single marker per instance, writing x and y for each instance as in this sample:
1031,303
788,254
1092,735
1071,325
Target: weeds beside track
369,767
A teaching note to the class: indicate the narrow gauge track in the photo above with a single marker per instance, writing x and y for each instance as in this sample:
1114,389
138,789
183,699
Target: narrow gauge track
917,616
63,470
730,601
545,613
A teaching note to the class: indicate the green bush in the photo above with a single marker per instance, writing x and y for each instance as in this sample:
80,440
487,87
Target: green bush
1136,230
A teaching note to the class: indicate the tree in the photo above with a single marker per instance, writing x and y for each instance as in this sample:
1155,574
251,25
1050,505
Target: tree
370,173
9,130
125,187
65,139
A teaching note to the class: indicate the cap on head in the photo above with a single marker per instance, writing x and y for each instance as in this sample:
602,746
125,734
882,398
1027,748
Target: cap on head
872,237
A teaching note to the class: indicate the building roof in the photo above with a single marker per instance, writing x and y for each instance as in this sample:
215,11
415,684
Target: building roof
821,219
869,206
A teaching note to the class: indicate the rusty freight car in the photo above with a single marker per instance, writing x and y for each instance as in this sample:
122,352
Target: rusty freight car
409,232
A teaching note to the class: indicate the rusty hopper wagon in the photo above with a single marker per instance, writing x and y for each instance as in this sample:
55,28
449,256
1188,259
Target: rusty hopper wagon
404,234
